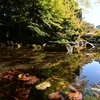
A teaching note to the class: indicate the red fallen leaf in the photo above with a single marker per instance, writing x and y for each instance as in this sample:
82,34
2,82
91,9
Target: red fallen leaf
23,91
6,76
11,77
29,79
50,79
74,94
78,96
54,95
33,80
26,78
18,89
15,98
18,97
10,71
58,88
4,73
20,75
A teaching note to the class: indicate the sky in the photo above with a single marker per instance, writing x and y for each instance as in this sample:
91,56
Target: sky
93,14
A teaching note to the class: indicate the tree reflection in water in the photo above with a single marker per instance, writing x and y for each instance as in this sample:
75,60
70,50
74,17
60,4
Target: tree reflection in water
60,68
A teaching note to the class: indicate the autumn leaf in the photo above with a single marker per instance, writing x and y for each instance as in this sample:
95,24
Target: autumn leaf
43,85
74,94
20,75
32,81
54,95
28,79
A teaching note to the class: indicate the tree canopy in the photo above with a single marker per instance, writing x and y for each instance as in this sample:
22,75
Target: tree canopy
42,18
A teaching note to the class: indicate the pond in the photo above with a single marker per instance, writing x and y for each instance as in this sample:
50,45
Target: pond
92,71
61,67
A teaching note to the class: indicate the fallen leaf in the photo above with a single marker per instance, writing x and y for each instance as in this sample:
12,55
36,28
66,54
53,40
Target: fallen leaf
27,78
11,77
20,75
54,95
58,88
74,94
6,76
15,98
43,85
32,81
95,89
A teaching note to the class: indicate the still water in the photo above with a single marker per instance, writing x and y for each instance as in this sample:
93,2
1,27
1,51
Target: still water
80,63
92,71
80,67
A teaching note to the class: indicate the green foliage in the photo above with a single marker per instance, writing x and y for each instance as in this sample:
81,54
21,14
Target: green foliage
63,41
43,18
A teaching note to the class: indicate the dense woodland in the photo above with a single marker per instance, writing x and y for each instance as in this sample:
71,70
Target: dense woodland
38,21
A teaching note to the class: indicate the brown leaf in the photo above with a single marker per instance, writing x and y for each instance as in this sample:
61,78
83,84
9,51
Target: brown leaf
26,78
75,96
50,79
25,91
33,80
18,97
15,98
20,75
78,96
54,95
6,76
70,95
18,89
11,77
58,88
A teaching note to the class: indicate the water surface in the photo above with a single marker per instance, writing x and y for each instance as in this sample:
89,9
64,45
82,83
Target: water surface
67,66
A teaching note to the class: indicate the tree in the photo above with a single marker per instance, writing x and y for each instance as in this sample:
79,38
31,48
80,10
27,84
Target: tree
57,16
43,18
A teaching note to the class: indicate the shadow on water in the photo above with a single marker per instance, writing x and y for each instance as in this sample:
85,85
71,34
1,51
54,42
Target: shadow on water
60,68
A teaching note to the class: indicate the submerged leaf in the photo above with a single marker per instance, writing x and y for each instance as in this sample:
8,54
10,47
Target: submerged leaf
43,86
33,80
95,89
74,94
54,95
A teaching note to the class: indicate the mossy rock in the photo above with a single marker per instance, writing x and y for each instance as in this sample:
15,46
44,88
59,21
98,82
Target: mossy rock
53,46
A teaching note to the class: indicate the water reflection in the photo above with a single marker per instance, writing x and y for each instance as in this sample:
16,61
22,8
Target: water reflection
92,72
60,68
49,64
